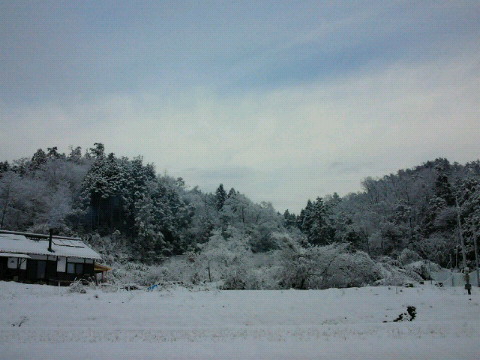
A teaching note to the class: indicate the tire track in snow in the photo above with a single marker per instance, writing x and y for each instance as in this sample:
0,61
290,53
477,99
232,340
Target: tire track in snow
273,334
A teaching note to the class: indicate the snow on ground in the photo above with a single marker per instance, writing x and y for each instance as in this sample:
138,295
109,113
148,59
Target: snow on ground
48,322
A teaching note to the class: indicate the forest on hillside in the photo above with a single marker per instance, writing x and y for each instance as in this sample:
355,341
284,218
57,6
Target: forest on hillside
131,214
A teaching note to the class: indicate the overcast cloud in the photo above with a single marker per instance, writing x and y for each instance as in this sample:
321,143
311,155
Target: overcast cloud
284,101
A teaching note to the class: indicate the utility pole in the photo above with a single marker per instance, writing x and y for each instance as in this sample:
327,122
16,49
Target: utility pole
460,234
476,257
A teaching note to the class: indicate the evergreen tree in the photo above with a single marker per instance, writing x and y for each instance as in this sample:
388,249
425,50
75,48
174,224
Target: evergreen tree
469,202
290,220
443,189
38,159
101,192
304,221
4,167
231,193
320,231
220,197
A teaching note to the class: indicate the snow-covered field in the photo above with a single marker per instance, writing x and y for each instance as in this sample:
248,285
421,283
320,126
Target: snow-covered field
48,322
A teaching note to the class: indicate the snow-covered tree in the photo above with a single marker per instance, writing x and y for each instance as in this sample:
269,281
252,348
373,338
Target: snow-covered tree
225,257
220,197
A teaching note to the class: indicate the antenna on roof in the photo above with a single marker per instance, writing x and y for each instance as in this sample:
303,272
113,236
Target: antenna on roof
50,241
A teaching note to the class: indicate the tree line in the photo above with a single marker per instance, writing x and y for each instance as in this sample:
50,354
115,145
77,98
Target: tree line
427,209
149,217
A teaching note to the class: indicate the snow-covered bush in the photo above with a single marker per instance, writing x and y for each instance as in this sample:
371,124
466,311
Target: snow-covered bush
77,287
225,256
262,278
235,278
422,268
296,264
319,267
351,269
179,269
408,256
395,276
132,274
388,260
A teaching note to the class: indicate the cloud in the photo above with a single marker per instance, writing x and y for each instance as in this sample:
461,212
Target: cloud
54,51
282,101
284,145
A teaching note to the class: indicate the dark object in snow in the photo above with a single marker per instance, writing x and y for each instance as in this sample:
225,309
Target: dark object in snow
130,287
22,320
468,287
412,311
406,316
409,285
440,284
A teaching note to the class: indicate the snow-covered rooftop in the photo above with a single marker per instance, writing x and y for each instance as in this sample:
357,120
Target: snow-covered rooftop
20,244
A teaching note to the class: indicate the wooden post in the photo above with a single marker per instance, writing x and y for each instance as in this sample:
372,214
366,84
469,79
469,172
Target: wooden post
476,258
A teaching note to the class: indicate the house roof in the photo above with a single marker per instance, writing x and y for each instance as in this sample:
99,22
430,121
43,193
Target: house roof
101,268
20,244
5,254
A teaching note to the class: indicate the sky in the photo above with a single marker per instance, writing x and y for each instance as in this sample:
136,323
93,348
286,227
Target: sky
282,100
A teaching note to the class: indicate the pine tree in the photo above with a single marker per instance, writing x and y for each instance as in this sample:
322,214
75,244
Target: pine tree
304,221
290,220
320,231
443,189
220,197
231,193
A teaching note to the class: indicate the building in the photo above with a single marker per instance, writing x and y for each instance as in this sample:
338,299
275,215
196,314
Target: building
28,257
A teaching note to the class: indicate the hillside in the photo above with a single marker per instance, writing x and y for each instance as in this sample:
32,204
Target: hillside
129,213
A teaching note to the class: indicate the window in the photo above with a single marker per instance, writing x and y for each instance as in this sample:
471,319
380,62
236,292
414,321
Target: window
12,263
79,269
74,268
71,268
41,269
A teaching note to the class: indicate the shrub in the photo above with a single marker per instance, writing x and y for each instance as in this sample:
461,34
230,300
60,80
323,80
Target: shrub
77,287
408,256
423,269
327,266
395,276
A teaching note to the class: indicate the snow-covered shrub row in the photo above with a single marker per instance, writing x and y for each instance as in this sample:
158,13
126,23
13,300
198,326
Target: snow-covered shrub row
323,267
395,275
424,268
408,256
228,262
351,269
130,273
